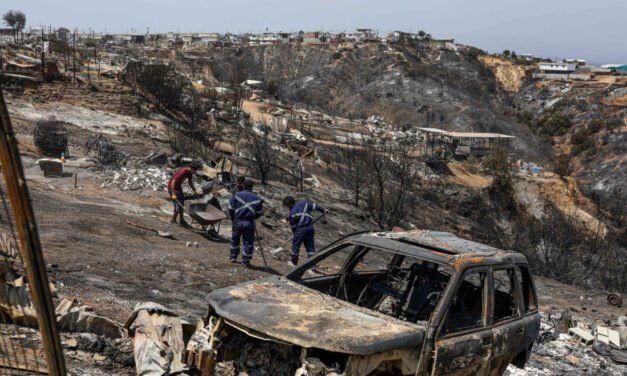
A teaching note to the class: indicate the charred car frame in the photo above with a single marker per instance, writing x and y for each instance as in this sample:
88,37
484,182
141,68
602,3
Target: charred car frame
407,303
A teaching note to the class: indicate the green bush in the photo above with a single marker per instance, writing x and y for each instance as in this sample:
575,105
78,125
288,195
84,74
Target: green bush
523,117
557,124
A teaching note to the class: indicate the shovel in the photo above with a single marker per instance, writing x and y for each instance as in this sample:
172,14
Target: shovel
261,249
163,234
278,250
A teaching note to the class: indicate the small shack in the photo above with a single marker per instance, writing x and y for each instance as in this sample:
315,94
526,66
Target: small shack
476,144
434,141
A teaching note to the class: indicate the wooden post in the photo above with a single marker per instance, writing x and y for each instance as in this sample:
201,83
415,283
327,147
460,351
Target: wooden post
30,247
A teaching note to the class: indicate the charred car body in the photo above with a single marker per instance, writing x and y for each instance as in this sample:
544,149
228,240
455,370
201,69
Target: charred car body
407,303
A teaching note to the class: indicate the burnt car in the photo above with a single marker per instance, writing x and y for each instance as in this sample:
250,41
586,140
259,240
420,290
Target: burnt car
406,303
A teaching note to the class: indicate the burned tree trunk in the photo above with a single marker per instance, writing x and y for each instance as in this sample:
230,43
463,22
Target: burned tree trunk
262,151
352,170
390,184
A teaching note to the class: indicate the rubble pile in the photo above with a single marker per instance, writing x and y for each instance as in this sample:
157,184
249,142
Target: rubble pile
132,179
268,358
104,152
558,353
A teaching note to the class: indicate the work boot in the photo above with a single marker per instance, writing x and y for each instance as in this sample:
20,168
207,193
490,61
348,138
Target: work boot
293,261
184,224
173,222
233,259
246,264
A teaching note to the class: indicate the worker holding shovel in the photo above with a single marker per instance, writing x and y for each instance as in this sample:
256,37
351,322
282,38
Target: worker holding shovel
301,221
175,189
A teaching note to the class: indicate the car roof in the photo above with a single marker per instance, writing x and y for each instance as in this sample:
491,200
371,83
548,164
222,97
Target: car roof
437,246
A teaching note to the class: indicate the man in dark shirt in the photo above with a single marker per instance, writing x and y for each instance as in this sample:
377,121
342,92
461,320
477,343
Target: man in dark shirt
175,189
244,208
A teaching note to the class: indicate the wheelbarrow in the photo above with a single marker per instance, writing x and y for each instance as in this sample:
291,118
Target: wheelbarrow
207,216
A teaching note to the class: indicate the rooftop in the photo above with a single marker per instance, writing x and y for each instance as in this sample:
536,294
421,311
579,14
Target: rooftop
478,135
465,134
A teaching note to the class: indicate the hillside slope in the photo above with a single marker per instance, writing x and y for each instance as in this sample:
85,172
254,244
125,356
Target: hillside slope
415,85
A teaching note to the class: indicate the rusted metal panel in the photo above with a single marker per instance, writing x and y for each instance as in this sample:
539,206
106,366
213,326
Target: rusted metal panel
445,241
467,354
293,313
439,247
30,250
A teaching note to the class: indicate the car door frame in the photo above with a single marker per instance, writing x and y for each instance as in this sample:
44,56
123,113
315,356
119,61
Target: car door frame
506,332
481,334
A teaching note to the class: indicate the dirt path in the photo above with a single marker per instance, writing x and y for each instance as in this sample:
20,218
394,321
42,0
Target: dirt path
257,112
467,175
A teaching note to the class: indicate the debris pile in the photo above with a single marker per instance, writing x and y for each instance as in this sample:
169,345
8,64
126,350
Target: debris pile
104,152
559,353
239,354
132,179
80,318
158,340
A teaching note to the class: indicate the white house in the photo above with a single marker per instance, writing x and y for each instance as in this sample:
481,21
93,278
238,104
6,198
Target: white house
564,68
527,57
577,62
206,38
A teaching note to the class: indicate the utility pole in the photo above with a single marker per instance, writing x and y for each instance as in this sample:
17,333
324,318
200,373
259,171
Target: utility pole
96,57
74,55
43,55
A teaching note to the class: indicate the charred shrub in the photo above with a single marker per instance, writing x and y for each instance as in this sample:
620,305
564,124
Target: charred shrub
561,165
272,86
474,52
524,117
560,246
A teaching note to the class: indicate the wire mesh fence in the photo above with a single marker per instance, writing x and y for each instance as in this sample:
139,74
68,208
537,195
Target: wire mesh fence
29,339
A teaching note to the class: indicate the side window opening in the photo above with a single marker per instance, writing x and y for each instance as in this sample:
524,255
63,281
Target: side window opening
505,295
529,296
466,310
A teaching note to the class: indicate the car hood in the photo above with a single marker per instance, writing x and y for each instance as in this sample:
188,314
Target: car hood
290,312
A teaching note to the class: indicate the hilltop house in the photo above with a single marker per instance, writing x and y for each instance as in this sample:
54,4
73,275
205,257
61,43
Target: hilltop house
557,68
367,35
312,37
527,57
398,36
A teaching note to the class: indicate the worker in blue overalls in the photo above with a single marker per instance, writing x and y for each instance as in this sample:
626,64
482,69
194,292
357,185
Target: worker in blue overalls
301,221
244,208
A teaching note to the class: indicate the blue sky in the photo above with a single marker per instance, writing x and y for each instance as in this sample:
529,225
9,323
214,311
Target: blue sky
593,30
